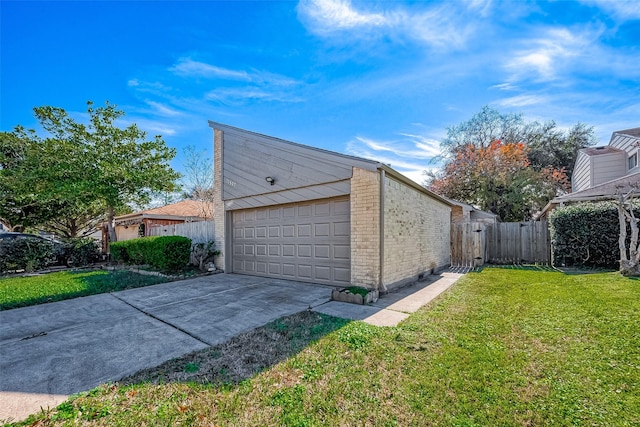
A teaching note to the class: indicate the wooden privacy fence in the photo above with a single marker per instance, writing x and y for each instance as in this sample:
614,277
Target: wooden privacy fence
474,244
198,232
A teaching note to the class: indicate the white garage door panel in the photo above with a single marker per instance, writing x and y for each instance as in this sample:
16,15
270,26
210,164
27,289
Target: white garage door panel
301,241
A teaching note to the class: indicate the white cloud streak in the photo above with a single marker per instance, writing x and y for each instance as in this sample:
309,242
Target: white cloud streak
187,67
557,49
411,155
436,26
623,10
522,101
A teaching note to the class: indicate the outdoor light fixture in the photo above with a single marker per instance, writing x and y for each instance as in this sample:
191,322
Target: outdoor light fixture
270,180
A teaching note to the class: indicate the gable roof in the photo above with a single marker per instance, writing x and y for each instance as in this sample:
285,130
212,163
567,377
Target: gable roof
604,191
181,210
635,132
471,208
326,155
605,149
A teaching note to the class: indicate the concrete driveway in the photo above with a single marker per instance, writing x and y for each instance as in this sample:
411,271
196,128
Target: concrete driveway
50,351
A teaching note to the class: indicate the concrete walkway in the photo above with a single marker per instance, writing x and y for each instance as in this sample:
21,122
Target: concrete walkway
50,351
395,306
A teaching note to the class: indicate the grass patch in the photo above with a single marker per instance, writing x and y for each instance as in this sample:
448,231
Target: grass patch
31,290
245,355
357,290
501,347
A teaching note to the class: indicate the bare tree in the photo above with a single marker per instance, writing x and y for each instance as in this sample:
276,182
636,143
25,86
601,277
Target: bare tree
629,250
198,178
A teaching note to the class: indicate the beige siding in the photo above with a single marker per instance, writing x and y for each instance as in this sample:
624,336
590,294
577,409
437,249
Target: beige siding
248,158
365,228
416,233
629,144
581,178
127,232
608,167
219,213
320,191
624,142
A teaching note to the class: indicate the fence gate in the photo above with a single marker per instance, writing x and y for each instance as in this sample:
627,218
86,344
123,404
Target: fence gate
473,244
468,247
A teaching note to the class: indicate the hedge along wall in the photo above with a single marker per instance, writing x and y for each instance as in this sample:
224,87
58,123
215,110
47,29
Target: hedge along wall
586,235
169,253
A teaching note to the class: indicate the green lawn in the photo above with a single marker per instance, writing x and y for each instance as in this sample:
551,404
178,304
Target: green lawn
31,290
500,348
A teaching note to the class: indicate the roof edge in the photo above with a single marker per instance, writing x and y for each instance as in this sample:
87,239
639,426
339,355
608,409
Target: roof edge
222,126
405,180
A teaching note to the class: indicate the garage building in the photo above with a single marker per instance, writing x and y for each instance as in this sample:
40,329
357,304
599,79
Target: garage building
291,211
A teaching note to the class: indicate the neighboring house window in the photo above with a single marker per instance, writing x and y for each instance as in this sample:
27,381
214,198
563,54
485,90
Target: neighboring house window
633,160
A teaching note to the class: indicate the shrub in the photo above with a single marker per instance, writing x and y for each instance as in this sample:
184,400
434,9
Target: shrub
173,252
586,235
118,251
79,252
27,254
168,253
203,252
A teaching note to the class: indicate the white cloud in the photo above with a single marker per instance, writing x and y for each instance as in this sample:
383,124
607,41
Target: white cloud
437,26
483,7
504,86
189,67
162,109
330,15
522,101
410,155
423,151
557,49
624,10
239,95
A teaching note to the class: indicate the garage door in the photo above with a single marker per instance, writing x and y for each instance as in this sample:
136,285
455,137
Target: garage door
308,241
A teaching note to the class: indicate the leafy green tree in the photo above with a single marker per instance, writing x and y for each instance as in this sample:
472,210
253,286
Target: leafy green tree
547,145
500,162
20,204
83,173
498,178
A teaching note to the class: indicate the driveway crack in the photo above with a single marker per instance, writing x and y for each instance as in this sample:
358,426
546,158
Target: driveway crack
146,313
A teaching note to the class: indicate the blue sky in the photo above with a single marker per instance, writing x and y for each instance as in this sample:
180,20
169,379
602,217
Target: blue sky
381,80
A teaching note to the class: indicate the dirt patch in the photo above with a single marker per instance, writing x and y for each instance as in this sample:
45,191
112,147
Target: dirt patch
245,355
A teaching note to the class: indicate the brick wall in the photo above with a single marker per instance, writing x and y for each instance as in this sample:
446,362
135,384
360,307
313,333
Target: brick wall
365,228
218,203
416,233
458,215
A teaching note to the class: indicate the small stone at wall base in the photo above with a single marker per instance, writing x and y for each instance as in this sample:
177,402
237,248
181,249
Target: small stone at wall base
343,295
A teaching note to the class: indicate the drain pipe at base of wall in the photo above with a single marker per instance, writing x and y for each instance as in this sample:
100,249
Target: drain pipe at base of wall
381,285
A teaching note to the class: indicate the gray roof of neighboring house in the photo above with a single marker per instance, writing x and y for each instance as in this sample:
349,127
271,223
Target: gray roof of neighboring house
602,191
605,191
595,151
469,207
631,132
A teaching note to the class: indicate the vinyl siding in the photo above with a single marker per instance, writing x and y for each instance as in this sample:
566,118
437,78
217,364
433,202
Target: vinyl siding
607,167
581,178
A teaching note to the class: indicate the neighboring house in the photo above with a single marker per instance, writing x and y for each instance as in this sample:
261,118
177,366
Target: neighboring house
600,173
138,224
462,213
291,211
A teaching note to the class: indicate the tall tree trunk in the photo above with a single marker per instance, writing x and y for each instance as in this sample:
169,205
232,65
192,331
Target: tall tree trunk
110,224
629,257
622,244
